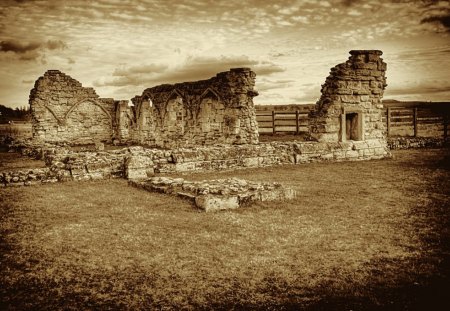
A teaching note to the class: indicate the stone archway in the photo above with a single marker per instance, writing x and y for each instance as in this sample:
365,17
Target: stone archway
87,122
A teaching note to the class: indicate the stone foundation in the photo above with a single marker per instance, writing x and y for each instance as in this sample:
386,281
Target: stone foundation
220,194
415,142
28,177
139,162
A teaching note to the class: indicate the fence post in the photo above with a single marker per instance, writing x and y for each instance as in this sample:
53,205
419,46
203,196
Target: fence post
388,118
296,122
415,121
273,122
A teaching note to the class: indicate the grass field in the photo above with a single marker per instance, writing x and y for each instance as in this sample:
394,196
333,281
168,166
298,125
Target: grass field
17,130
360,235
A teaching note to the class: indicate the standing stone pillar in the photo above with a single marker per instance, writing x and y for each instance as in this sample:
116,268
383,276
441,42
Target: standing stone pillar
350,107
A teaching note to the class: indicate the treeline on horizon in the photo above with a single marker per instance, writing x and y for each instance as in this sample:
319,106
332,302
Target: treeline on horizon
18,114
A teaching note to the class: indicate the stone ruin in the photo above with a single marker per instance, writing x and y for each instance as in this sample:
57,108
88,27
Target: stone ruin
350,107
218,110
207,125
217,194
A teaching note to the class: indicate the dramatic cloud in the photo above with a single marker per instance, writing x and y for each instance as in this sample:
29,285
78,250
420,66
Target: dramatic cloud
55,45
443,20
18,47
421,88
194,68
123,46
145,69
32,50
265,84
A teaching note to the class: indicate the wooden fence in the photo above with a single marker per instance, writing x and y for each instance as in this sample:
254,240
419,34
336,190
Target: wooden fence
412,119
293,121
417,119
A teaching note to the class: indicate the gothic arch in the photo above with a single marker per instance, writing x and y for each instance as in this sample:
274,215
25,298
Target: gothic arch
53,114
207,92
92,102
174,94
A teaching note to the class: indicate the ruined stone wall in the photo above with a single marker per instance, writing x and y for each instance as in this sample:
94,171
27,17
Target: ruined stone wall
350,107
64,111
218,110
138,162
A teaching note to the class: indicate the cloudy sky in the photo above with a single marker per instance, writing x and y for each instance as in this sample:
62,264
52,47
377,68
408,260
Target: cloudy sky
122,47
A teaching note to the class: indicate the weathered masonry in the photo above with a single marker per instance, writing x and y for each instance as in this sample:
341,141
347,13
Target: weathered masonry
64,111
218,110
350,107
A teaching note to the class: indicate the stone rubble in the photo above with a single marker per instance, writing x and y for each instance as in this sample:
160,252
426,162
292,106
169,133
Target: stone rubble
415,142
139,162
217,194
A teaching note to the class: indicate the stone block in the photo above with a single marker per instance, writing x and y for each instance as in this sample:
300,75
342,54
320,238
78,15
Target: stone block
339,154
352,154
251,162
302,158
380,151
357,145
346,146
138,167
212,203
368,152
374,143
350,98
327,156
185,167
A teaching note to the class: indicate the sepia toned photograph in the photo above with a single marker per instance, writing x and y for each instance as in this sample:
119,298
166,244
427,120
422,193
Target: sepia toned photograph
224,155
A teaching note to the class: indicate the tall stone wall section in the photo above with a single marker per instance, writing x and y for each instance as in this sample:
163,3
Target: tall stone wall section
218,110
350,106
64,111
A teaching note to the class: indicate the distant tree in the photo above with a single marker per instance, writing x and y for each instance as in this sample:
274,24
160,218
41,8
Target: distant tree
18,114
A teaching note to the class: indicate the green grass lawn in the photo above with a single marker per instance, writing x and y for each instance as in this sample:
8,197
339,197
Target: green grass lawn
360,235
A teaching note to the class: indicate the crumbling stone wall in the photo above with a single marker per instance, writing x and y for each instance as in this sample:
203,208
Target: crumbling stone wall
138,162
350,107
64,111
218,110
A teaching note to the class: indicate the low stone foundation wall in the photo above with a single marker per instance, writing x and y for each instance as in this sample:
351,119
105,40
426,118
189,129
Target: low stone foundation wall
139,163
217,158
219,194
28,177
415,142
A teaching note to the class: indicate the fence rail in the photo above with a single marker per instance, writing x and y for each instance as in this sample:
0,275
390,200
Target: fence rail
401,119
294,121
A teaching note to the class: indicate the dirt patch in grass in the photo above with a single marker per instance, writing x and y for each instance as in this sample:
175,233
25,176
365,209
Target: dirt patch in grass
360,235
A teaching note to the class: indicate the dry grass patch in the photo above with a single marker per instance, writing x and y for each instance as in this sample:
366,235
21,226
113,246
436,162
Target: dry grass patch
360,235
